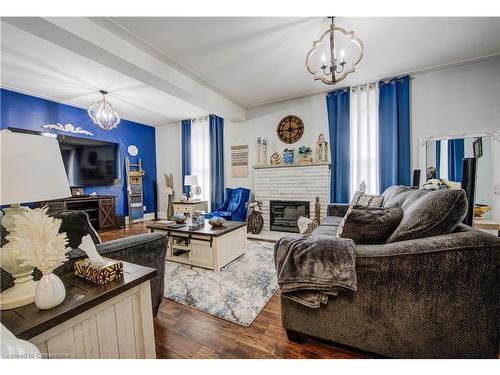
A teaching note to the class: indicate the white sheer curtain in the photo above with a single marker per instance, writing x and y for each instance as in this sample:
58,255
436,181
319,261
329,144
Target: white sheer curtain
364,138
443,165
200,155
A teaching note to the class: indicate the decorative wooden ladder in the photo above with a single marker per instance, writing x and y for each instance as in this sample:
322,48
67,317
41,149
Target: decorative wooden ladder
134,191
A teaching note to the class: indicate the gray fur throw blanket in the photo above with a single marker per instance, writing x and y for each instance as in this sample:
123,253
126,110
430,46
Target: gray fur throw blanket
310,268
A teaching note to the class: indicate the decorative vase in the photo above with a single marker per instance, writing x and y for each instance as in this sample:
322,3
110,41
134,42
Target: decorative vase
255,222
179,217
288,156
50,292
217,222
170,206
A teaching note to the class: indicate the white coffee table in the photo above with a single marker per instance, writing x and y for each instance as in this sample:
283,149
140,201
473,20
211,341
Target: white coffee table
207,247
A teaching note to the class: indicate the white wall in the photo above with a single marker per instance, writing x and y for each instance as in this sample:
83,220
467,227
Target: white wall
262,121
461,99
168,160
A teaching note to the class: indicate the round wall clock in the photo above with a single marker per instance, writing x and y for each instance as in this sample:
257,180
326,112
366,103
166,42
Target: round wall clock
290,129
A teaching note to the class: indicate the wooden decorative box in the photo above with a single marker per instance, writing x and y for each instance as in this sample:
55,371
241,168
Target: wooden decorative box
99,274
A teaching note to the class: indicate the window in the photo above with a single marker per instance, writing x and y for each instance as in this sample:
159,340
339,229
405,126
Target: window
364,138
200,156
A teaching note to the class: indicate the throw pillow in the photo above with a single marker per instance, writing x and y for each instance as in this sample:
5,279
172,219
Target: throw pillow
306,225
432,214
363,199
340,229
370,225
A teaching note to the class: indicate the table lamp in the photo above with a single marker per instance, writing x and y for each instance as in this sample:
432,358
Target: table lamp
32,170
191,181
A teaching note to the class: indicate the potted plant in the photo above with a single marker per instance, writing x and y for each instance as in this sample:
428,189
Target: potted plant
305,155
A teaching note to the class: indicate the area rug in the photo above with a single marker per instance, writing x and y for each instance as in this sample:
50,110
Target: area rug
237,293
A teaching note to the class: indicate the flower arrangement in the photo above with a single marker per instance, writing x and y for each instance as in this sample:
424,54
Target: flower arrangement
38,241
305,151
440,184
255,206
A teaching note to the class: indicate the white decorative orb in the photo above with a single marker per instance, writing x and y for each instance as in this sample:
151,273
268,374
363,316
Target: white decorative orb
133,150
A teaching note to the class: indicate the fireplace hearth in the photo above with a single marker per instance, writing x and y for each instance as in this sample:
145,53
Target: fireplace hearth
284,215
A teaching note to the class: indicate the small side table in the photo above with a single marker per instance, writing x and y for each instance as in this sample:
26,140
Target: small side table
487,224
189,208
110,321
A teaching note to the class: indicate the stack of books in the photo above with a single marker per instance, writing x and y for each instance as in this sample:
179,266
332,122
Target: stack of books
167,223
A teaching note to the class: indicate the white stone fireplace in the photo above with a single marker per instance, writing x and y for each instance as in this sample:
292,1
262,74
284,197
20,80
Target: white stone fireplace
296,182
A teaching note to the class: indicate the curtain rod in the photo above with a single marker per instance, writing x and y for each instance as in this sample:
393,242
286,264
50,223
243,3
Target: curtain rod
199,119
367,85
383,81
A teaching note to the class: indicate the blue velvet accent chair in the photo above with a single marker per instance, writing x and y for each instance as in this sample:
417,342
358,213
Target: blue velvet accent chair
234,206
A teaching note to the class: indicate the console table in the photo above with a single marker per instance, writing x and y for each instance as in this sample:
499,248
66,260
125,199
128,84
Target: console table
100,208
487,224
110,321
189,208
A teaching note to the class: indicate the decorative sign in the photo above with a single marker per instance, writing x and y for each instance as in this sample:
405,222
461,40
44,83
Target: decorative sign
290,129
133,150
239,161
68,128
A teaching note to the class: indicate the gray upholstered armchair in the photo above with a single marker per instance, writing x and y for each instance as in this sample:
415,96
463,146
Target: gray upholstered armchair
144,249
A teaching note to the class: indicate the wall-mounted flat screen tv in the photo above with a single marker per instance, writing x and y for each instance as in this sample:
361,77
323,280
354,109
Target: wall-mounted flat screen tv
89,162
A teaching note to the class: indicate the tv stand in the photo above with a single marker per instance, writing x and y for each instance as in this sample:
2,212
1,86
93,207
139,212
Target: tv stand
100,208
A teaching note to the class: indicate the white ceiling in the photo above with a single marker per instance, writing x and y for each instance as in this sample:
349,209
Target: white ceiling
231,63
35,66
259,60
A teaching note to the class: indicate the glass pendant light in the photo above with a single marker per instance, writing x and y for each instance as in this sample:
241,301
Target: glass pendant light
103,114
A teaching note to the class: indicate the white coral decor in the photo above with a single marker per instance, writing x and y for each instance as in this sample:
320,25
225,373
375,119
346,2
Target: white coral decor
38,240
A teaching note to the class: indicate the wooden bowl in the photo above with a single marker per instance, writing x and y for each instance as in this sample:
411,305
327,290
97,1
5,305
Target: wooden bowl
481,209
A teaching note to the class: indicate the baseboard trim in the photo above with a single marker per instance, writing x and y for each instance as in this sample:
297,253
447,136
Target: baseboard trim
148,216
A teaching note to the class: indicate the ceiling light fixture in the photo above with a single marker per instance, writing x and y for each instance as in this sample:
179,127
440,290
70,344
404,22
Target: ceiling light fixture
322,61
103,114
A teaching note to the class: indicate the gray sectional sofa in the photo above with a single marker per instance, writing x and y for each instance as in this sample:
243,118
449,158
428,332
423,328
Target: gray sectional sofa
432,297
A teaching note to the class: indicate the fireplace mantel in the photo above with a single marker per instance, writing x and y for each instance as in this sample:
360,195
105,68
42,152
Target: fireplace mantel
268,166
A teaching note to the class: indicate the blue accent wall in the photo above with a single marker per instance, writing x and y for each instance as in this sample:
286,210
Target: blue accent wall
28,112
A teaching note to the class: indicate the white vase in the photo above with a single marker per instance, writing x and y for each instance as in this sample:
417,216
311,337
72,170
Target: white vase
50,292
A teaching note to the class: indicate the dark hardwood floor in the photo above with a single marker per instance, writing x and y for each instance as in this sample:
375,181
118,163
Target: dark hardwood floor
184,332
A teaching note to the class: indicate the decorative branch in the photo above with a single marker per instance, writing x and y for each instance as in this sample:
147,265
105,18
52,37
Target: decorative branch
38,241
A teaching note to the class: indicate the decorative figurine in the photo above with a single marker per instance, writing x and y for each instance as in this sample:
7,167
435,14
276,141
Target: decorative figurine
317,210
169,182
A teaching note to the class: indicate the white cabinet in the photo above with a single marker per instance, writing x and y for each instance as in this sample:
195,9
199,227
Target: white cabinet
121,327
